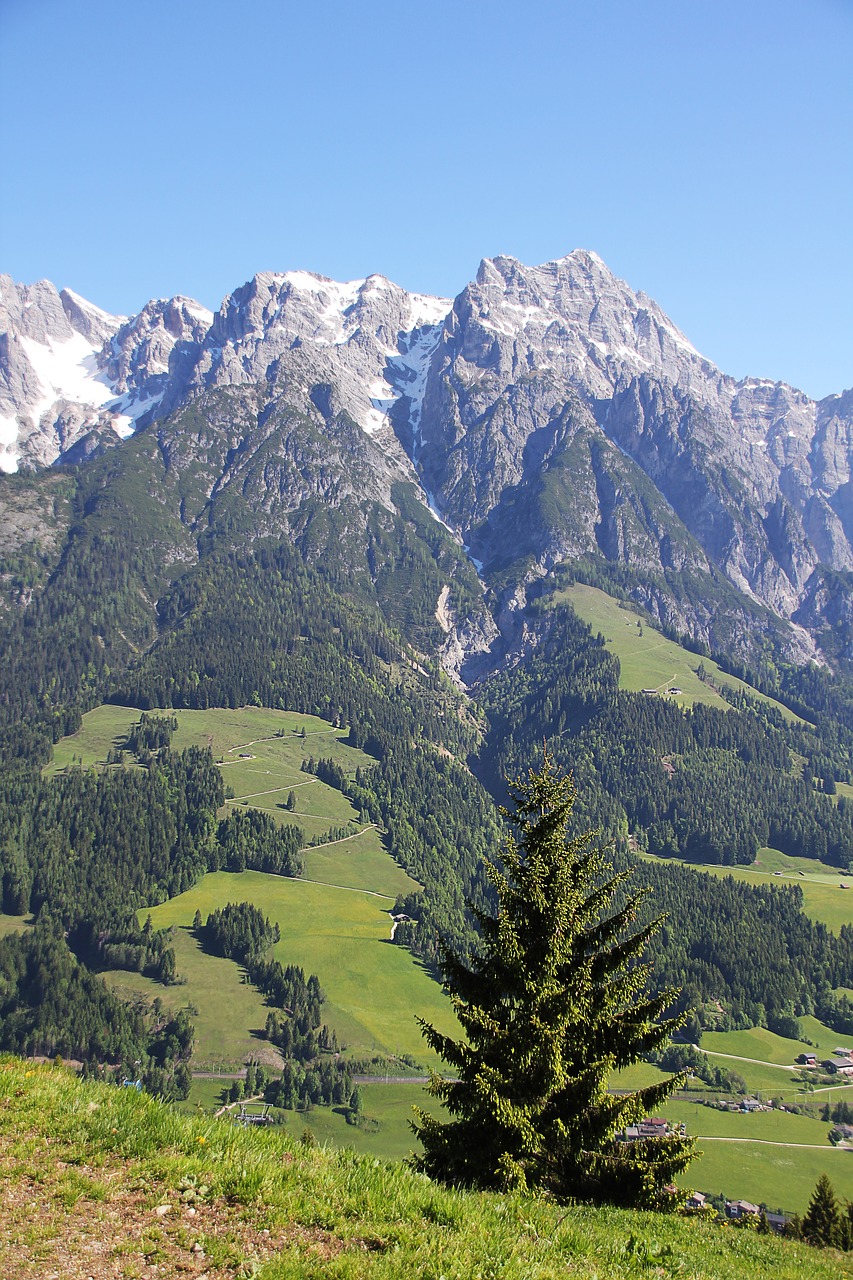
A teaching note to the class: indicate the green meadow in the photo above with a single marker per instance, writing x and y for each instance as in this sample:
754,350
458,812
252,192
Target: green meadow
766,1046
260,753
114,1189
374,990
335,922
384,1130
773,1158
231,1013
13,924
648,660
740,1156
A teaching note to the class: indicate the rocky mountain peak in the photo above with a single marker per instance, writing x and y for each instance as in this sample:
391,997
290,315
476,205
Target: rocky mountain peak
70,370
96,326
299,329
137,358
580,318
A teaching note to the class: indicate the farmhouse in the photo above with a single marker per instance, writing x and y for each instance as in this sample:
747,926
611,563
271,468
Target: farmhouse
645,1129
838,1066
806,1059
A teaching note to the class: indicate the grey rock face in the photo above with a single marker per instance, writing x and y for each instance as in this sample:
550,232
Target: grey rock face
298,331
756,472
548,413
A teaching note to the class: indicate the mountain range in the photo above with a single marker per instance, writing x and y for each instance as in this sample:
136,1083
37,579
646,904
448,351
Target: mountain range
547,417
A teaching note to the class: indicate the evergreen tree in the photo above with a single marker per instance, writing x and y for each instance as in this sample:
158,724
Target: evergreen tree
822,1224
553,1003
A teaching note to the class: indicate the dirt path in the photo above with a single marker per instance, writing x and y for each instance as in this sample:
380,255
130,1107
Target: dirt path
288,786
767,1142
756,1062
371,826
229,1106
346,888
278,737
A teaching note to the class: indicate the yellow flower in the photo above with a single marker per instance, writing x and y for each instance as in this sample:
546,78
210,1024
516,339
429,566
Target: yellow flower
201,1139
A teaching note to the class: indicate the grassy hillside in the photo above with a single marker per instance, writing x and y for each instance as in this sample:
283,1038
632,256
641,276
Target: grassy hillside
338,926
647,658
772,1157
373,988
133,1188
259,750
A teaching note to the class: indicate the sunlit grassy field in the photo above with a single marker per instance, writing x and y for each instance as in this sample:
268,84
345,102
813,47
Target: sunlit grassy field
13,924
231,1013
781,1176
339,928
360,863
260,752
374,989
760,1043
647,658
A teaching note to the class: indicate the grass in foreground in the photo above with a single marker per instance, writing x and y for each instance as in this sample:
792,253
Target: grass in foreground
100,1181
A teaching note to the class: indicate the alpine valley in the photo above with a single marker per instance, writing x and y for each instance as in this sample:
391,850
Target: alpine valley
448,530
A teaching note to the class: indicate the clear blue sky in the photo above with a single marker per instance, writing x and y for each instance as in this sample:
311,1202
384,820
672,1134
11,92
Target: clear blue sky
704,150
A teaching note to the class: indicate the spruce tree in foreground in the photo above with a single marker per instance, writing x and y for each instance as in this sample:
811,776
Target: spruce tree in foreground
554,1002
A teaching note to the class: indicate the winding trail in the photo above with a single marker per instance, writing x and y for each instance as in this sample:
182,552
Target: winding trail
287,786
756,1062
768,1142
371,826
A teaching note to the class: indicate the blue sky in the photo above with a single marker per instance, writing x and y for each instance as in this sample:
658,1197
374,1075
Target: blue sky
705,151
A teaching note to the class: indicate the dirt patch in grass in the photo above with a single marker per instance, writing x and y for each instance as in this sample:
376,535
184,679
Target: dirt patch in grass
108,1223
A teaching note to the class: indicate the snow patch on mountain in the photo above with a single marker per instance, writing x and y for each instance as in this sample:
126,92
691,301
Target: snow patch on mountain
67,371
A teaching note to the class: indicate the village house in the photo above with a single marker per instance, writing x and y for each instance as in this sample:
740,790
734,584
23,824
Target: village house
742,1209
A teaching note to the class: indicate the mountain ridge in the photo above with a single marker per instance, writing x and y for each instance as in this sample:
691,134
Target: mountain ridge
546,415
